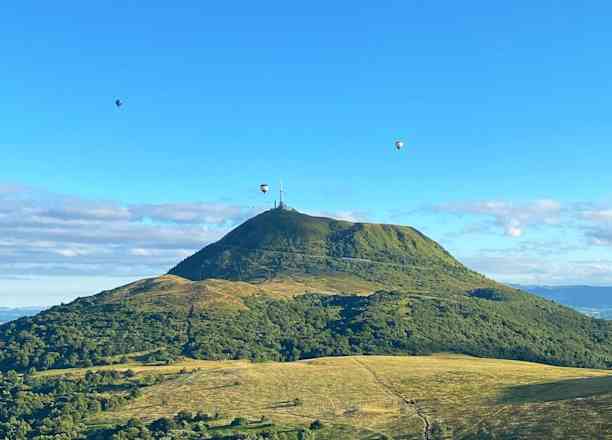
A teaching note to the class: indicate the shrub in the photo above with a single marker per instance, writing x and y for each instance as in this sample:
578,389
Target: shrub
317,424
239,421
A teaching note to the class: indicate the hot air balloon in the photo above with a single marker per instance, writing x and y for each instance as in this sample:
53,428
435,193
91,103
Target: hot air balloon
118,103
399,144
264,188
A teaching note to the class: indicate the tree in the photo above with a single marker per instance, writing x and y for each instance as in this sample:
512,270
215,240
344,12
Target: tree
184,416
316,425
440,432
239,421
484,434
163,425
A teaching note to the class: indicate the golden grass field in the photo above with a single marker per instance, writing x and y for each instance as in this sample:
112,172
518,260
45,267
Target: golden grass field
387,396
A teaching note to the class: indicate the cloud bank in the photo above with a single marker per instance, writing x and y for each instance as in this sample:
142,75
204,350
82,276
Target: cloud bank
49,234
511,218
578,252
514,219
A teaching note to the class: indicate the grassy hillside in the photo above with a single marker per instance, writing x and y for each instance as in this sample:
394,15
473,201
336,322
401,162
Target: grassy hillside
390,397
360,397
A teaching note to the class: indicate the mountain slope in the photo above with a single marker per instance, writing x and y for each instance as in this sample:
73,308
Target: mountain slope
218,319
287,286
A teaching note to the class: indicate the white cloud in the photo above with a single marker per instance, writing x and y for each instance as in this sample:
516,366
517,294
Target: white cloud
68,252
600,236
599,216
515,219
512,218
191,213
48,234
140,252
347,215
525,269
564,241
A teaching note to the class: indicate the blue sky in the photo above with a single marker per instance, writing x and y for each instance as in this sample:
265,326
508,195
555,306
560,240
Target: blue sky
504,109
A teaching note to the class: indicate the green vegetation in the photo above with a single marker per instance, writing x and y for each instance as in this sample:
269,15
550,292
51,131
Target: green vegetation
57,407
60,408
281,243
92,332
186,425
84,334
312,326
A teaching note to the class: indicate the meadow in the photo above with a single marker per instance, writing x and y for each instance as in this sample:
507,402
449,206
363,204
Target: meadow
442,396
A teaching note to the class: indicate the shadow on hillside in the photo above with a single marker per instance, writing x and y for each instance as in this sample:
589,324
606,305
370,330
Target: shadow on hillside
560,390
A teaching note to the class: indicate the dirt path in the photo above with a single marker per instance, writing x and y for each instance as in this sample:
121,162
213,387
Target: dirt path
427,428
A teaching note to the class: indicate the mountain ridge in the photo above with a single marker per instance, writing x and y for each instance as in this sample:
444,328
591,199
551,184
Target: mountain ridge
579,295
595,301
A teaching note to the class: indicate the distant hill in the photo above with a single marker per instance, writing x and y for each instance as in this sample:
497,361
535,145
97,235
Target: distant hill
9,314
593,300
285,286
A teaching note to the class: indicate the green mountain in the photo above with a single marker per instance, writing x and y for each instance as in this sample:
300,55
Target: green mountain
285,244
286,286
